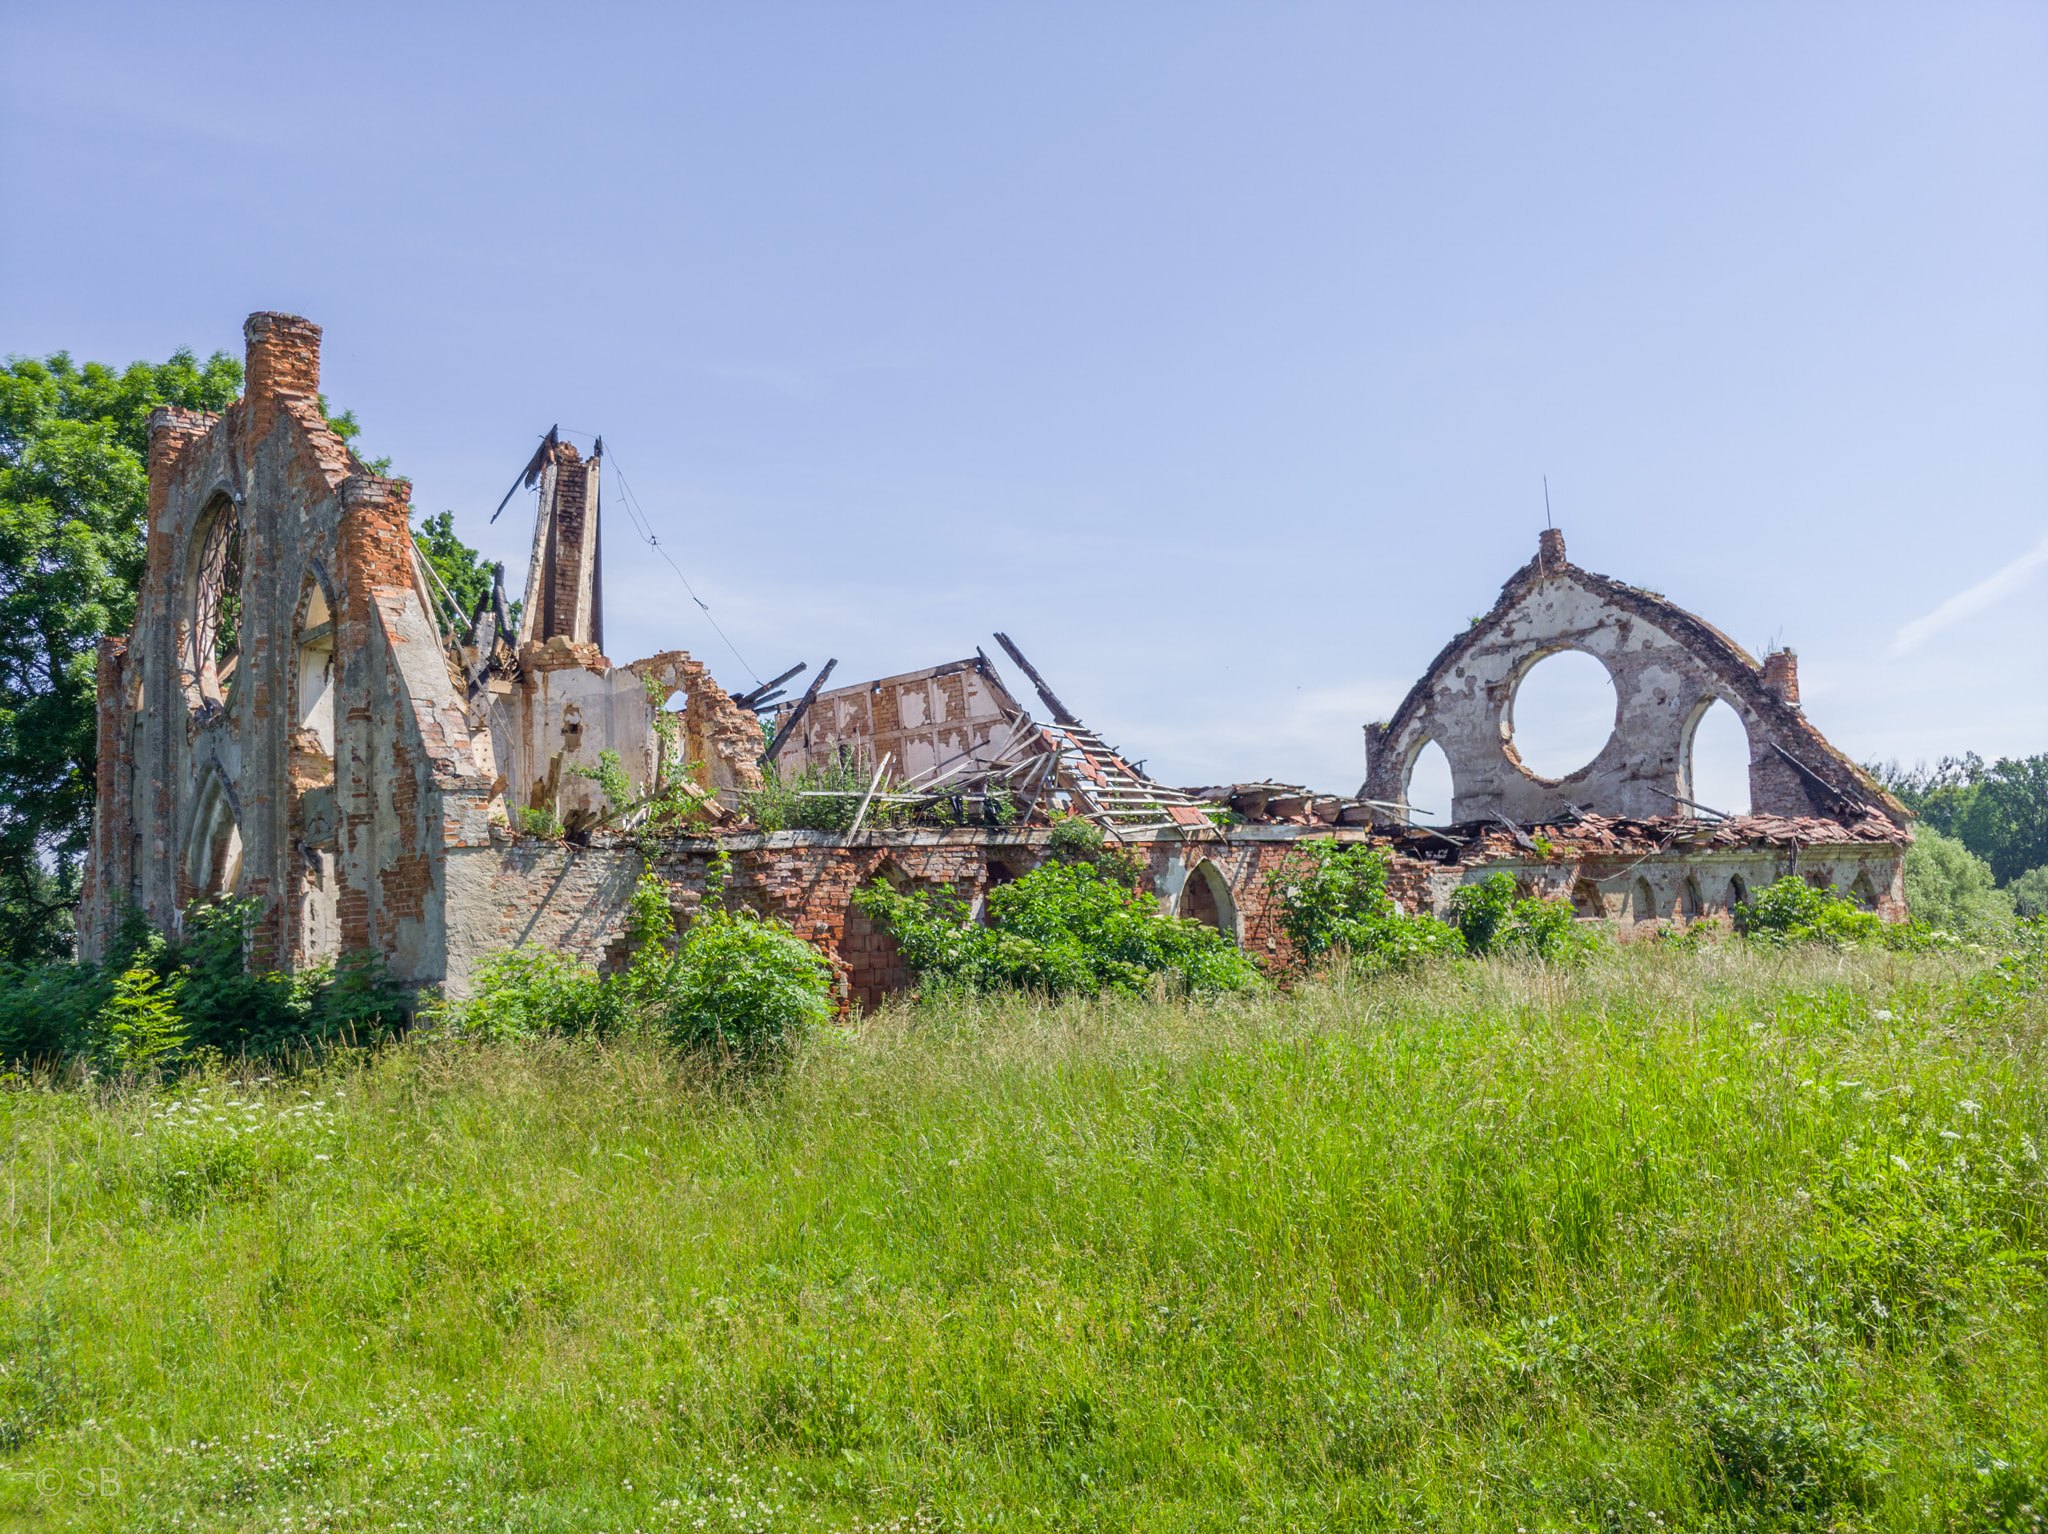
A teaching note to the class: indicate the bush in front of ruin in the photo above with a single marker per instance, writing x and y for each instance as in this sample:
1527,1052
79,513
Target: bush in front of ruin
1793,911
1066,928
1493,918
1334,900
156,1002
732,982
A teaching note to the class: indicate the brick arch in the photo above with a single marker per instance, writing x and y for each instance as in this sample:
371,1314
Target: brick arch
1205,897
212,861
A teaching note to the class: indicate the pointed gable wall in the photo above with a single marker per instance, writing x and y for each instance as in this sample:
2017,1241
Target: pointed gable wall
1668,668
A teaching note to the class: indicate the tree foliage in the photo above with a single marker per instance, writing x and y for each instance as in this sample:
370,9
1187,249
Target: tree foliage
1950,888
1999,812
73,498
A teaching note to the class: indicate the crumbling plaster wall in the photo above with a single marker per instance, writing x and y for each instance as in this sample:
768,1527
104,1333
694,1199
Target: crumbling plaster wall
569,705
920,719
1668,668
215,784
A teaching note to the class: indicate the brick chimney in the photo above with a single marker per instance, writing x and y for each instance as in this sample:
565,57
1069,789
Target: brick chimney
1550,551
283,355
1781,675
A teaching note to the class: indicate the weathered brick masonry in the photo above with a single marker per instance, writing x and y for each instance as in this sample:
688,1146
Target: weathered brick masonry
298,717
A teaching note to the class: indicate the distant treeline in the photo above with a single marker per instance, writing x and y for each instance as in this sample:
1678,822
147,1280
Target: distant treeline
1998,813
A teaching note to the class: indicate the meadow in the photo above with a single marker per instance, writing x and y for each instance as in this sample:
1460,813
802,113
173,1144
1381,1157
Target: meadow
1740,1238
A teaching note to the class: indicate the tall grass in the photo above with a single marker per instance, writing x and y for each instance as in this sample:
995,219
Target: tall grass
1715,1240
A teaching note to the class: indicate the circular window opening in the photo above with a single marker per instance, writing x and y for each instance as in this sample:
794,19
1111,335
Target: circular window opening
1561,715
1428,790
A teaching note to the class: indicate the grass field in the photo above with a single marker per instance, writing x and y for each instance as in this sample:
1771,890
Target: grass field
1726,1240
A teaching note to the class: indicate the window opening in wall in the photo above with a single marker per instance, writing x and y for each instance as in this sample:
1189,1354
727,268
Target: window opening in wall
1864,891
214,636
1717,761
315,680
1689,902
1428,791
1642,901
1562,714
1586,902
1738,892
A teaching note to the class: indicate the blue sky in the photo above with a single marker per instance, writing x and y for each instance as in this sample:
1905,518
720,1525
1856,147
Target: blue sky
1216,353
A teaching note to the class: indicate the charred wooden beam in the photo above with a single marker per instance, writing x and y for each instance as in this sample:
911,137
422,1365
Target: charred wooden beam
1060,712
796,717
530,475
760,694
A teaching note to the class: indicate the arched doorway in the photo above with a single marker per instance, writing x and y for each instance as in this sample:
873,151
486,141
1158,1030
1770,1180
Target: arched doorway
1205,897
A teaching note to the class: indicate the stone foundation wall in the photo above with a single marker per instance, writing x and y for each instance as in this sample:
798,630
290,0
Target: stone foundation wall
574,900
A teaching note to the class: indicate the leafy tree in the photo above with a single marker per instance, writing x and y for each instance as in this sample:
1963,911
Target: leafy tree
2006,820
1999,812
73,496
1939,794
1949,887
74,490
461,568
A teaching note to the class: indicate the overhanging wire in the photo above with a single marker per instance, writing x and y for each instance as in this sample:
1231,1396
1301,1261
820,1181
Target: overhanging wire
643,528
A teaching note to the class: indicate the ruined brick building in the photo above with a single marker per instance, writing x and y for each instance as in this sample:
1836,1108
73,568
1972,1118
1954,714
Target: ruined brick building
301,716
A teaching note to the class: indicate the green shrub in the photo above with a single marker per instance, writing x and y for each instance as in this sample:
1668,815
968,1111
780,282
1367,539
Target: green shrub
1334,897
1781,1442
825,796
732,980
1065,928
205,996
1949,888
540,823
2030,893
1492,918
139,1028
225,1005
47,1011
1793,911
528,991
743,983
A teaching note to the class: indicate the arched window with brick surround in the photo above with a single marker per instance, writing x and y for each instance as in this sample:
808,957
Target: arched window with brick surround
211,623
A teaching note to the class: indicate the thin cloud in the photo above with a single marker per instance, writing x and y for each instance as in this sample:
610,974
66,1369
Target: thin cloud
1968,603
